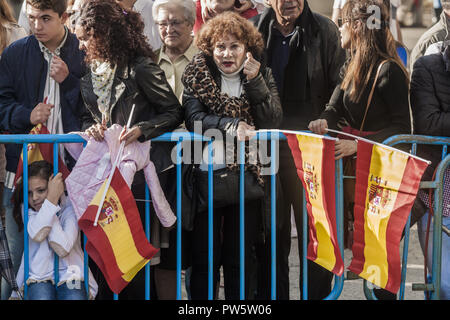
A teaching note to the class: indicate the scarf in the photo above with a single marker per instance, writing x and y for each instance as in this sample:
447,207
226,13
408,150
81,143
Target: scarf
102,82
198,78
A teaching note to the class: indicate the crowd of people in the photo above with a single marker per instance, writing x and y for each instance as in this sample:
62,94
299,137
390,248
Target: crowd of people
234,66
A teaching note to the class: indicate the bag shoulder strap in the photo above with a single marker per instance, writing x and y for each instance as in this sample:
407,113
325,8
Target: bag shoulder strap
369,100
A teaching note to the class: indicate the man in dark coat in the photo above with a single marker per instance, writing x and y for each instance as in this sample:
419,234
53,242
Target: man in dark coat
304,53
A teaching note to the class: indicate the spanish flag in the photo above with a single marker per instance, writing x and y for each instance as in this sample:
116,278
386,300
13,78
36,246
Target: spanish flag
40,151
387,181
314,160
117,244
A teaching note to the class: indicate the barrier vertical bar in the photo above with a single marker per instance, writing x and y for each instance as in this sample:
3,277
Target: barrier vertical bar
26,253
85,257
437,231
55,172
242,219
401,295
273,246
210,222
179,218
147,233
339,192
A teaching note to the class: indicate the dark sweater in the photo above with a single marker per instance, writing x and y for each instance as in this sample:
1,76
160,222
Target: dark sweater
389,112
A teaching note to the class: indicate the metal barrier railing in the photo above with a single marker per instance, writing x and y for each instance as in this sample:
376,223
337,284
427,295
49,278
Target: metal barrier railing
179,137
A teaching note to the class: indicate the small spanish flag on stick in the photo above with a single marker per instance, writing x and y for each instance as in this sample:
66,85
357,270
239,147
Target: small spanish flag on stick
40,151
387,181
117,243
314,160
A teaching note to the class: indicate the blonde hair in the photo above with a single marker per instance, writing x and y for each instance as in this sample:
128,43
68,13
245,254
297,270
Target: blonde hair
6,17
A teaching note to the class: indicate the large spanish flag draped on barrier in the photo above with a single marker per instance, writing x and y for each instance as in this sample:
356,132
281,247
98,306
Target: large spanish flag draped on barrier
387,181
314,160
117,244
40,151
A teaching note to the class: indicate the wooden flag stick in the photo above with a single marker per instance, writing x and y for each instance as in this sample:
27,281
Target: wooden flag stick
116,162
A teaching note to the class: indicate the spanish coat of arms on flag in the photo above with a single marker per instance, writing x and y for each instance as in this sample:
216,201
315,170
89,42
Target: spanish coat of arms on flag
387,182
117,244
314,159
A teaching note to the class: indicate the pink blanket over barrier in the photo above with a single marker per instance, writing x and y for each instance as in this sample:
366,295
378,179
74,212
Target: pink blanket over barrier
94,164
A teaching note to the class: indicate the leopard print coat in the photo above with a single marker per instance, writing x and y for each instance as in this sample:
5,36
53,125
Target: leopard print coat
198,78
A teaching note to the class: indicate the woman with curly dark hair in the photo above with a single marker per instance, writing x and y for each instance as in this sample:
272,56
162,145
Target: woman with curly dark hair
123,73
227,88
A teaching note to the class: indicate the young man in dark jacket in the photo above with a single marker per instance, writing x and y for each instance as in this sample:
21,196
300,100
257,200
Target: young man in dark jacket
39,83
305,55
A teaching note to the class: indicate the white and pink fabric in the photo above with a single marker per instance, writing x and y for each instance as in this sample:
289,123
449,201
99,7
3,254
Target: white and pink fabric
94,164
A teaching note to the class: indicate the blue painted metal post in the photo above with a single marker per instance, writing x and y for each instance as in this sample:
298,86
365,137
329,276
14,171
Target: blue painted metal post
401,295
85,257
339,192
147,233
210,223
273,211
86,267
55,172
179,218
25,220
242,220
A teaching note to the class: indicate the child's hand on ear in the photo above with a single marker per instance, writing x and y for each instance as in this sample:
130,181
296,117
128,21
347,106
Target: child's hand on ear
55,188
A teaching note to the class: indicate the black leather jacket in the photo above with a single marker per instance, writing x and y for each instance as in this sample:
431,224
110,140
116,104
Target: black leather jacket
143,83
157,109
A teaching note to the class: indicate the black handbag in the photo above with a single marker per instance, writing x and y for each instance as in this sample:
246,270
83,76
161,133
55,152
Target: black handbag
225,188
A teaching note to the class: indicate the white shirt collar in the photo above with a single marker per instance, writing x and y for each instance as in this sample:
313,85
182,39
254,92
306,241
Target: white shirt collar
57,51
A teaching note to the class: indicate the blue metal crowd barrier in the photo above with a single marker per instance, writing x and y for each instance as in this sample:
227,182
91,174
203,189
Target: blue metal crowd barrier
274,137
179,137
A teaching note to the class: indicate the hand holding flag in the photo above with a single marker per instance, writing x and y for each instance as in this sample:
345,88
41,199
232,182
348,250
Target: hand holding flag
41,113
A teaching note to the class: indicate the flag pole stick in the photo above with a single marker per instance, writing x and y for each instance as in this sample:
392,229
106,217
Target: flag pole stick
303,133
116,162
379,144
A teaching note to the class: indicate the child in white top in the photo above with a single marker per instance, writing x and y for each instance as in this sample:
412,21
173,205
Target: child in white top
52,228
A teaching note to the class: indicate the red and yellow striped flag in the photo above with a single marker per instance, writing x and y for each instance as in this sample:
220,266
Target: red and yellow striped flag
40,151
314,160
387,181
117,244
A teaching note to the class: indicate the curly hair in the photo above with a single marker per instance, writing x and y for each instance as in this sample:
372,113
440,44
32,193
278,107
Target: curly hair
118,35
229,23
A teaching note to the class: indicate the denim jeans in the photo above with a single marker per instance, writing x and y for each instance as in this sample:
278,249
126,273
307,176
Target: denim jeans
445,262
15,240
47,291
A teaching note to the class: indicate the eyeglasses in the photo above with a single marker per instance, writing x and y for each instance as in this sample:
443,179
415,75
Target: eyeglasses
172,24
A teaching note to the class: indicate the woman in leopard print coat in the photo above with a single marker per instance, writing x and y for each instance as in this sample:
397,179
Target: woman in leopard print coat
228,88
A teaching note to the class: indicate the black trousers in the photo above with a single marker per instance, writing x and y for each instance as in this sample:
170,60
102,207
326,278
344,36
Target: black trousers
226,244
319,279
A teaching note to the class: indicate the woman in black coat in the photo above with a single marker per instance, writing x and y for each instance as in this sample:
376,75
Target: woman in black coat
122,73
226,88
372,96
